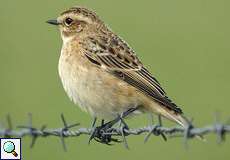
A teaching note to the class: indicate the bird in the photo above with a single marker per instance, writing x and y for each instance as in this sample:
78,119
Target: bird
103,75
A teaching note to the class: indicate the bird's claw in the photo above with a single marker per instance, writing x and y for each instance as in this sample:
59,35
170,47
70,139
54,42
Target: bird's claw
102,134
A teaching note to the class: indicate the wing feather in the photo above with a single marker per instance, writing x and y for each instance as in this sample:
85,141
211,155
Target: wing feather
121,61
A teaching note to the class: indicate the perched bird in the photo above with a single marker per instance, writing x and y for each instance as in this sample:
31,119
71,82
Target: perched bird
103,75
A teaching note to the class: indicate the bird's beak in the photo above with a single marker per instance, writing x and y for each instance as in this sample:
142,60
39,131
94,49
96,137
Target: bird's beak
53,22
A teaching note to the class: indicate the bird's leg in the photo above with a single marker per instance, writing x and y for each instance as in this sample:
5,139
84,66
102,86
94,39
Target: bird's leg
94,122
102,133
119,117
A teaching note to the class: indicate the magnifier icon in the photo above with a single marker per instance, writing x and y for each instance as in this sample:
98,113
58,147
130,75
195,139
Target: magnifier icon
9,147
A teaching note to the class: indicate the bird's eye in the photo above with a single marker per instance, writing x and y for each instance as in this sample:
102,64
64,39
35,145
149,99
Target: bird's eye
68,21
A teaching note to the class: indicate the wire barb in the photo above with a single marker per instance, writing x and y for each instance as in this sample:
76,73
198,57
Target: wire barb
220,132
64,130
123,128
155,129
10,127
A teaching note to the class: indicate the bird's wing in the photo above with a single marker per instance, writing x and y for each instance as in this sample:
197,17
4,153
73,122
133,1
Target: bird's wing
117,58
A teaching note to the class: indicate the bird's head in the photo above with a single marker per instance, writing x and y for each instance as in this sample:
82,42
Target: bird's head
77,21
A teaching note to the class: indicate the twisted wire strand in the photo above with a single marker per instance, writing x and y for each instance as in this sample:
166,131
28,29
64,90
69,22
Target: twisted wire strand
220,129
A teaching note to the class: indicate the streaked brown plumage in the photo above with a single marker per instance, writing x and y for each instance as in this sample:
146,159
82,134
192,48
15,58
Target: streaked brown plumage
102,74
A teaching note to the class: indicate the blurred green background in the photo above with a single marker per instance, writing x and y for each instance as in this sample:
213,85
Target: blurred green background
184,43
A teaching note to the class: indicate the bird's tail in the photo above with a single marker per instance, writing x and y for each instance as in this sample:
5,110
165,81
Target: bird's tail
181,120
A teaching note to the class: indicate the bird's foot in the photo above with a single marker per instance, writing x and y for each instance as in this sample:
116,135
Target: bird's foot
103,133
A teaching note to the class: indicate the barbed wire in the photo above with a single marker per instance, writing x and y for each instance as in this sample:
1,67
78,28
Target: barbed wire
108,136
